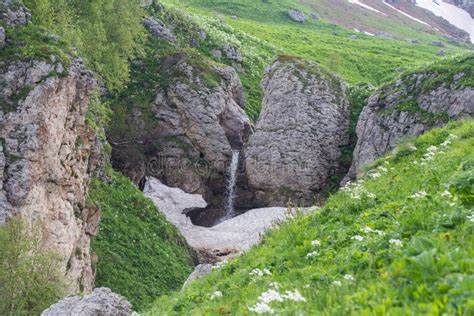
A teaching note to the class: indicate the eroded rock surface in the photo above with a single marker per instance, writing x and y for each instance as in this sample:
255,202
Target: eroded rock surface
45,150
407,108
101,302
198,120
159,29
12,12
296,147
297,16
222,241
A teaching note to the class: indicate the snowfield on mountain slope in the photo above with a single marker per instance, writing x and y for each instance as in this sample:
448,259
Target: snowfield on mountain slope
357,2
454,15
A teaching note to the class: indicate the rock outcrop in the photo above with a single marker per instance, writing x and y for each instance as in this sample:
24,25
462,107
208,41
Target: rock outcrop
408,108
158,29
198,121
101,302
302,128
45,151
13,13
296,15
222,241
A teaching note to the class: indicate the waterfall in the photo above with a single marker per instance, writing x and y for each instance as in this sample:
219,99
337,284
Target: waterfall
232,178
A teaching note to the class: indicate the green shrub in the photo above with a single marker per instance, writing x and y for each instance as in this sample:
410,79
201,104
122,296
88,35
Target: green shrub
106,33
140,254
30,279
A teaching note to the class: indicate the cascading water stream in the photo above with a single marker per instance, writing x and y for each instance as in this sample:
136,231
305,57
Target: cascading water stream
231,181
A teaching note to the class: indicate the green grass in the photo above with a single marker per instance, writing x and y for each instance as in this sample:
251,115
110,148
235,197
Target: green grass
264,30
140,254
423,201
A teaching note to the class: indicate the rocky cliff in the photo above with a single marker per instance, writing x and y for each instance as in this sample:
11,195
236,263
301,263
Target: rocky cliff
296,147
46,150
198,119
411,106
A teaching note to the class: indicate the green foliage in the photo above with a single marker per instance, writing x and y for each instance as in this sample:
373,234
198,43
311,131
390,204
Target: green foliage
398,242
107,33
141,255
30,278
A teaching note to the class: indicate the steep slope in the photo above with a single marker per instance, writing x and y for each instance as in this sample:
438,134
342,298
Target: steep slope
368,250
411,105
47,151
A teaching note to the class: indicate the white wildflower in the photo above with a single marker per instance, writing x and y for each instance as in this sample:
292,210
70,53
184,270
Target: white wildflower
471,217
258,272
375,175
294,296
371,195
396,242
419,195
432,149
312,254
275,285
315,243
216,294
349,277
379,232
261,308
306,286
382,169
367,230
412,147
270,296
357,237
337,283
446,194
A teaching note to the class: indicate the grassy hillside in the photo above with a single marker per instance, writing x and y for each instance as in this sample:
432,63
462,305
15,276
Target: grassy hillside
263,29
399,241
140,254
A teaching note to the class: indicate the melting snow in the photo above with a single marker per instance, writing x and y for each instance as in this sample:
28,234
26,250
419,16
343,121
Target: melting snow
365,6
406,14
454,15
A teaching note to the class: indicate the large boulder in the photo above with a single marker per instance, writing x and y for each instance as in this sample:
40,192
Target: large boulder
409,107
101,302
296,147
45,157
297,16
198,120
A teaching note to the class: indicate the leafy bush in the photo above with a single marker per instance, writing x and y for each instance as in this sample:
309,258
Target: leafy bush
398,242
30,279
140,254
107,33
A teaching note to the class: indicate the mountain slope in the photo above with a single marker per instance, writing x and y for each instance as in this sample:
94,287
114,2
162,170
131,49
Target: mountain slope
369,250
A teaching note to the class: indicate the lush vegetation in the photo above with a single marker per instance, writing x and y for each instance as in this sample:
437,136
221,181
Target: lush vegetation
399,241
140,254
106,33
29,273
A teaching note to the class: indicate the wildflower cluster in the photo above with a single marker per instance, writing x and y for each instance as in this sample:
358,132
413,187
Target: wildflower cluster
216,294
356,190
271,295
260,273
419,195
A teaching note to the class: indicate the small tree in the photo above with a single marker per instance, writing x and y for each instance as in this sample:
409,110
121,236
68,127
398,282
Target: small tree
30,280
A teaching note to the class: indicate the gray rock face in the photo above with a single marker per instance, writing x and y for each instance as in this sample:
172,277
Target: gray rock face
302,127
199,121
296,16
158,29
384,120
45,148
233,53
101,302
2,37
200,271
13,12
438,44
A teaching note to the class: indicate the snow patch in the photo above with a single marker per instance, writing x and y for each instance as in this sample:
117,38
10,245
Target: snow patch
365,6
454,15
406,14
